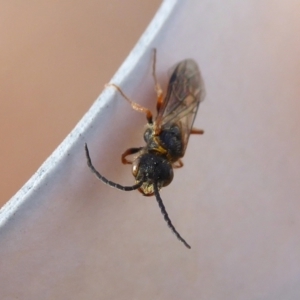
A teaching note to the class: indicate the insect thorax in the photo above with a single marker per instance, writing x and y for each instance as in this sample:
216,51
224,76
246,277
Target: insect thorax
168,143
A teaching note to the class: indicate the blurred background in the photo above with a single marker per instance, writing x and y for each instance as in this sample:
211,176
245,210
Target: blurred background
55,58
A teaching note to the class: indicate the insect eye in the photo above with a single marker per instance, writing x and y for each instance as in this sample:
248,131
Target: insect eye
169,179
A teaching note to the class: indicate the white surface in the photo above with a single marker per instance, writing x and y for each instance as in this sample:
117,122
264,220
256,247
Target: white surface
66,235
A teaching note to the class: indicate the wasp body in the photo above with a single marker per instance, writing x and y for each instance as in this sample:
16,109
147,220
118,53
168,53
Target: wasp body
166,137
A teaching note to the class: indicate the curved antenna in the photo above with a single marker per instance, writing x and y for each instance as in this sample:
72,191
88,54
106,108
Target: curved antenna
105,180
166,216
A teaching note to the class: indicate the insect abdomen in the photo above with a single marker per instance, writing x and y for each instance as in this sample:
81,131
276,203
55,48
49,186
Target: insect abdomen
171,140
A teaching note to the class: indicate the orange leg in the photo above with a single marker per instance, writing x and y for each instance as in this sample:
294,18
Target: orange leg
178,164
129,151
134,105
197,131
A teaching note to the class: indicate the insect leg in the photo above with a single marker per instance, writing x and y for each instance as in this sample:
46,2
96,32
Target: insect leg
178,164
166,217
157,87
134,105
197,131
129,152
105,180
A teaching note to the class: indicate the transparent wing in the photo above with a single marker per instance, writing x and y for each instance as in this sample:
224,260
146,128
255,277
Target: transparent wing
185,92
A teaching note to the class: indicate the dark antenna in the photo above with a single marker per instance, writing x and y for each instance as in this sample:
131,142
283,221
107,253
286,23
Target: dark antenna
166,217
105,180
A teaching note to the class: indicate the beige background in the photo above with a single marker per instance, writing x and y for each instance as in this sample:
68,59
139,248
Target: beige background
55,58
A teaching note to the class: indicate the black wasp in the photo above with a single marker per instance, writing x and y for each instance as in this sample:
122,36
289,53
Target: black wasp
166,137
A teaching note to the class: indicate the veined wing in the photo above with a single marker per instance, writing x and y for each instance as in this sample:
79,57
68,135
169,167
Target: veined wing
185,92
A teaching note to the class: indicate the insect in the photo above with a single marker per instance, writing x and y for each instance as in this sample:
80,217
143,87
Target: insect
166,137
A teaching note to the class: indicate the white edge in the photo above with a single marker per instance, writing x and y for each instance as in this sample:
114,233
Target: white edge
53,160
